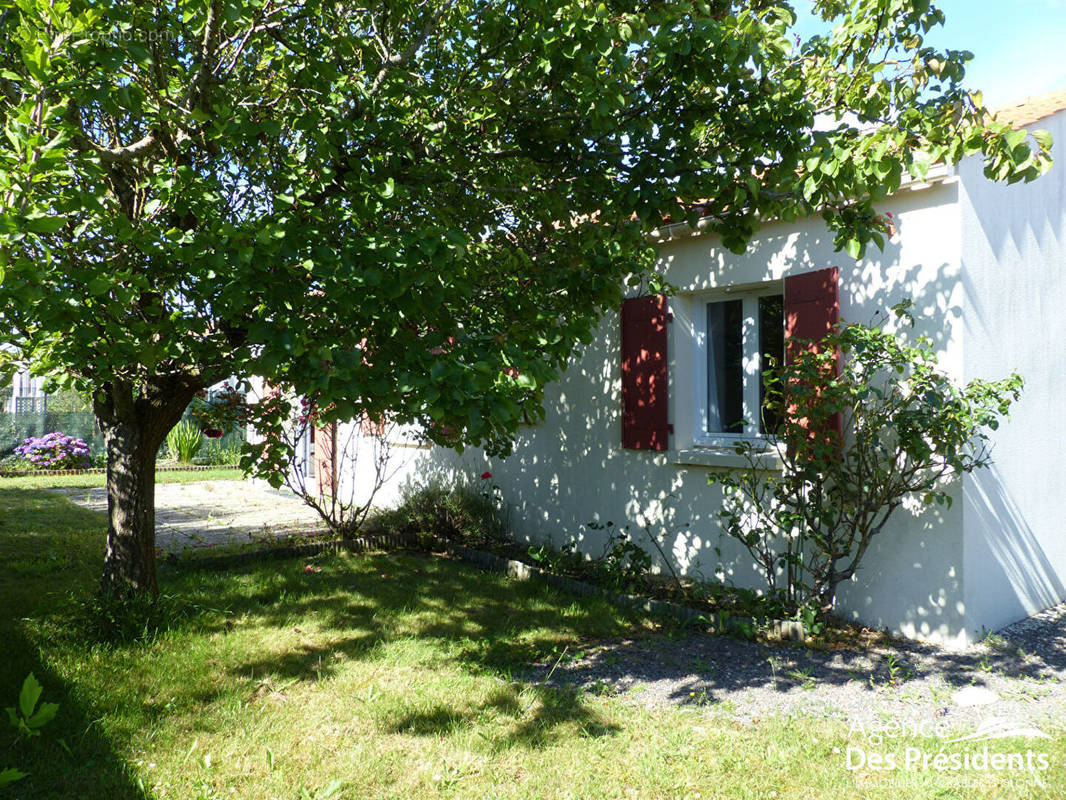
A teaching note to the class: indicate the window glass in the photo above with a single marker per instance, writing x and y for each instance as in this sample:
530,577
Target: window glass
725,363
772,347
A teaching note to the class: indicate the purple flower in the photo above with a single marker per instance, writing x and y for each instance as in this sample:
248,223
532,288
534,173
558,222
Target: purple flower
55,450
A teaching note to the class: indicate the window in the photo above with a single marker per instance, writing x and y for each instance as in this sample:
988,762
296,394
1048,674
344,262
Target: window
736,333
742,333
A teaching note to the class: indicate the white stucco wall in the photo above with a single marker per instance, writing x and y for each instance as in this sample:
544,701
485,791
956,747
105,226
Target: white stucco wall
983,264
1014,282
571,469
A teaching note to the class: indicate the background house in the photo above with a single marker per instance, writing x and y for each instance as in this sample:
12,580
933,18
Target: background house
23,394
983,263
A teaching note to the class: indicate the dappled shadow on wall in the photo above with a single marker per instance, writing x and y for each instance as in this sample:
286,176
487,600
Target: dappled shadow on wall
571,469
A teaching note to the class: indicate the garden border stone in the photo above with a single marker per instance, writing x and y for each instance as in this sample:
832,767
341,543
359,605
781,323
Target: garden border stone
275,552
26,473
791,630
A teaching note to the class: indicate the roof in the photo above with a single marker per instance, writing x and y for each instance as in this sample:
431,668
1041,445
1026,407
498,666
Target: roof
1019,114
1031,109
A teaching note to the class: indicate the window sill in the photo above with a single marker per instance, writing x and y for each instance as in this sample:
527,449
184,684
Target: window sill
726,457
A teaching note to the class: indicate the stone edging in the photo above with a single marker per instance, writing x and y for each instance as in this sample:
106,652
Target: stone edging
784,629
791,630
278,552
25,473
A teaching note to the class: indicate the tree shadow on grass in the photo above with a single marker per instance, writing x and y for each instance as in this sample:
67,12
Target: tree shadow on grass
488,624
483,623
72,757
49,547
530,723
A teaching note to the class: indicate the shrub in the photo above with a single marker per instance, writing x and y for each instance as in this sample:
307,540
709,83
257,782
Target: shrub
184,442
55,451
432,513
220,455
907,430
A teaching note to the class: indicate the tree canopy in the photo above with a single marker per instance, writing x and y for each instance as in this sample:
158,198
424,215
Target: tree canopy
421,208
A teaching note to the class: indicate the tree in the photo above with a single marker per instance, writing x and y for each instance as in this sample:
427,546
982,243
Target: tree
857,443
419,208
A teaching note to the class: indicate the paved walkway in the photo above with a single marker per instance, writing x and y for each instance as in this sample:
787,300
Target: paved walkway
215,513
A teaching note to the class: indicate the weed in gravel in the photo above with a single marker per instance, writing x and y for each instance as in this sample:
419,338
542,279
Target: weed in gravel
897,672
700,697
805,678
941,695
602,688
995,641
775,664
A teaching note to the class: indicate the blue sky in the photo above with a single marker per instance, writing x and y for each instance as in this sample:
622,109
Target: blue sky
1019,46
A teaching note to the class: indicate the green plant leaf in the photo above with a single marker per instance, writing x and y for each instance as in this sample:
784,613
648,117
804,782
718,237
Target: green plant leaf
30,694
45,714
9,775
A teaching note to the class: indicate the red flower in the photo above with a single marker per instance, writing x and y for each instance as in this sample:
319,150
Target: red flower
486,475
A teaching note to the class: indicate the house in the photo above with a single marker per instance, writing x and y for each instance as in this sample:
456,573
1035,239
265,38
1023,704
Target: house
24,394
984,265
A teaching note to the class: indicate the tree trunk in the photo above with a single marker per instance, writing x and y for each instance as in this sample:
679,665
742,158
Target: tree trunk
825,595
135,424
129,563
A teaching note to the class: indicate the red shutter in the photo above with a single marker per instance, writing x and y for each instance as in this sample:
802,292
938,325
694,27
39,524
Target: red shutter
812,309
645,423
325,463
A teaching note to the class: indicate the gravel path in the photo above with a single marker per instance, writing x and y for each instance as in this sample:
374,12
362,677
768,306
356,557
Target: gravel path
194,516
1017,674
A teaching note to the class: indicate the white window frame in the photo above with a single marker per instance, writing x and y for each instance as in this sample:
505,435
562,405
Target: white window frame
751,365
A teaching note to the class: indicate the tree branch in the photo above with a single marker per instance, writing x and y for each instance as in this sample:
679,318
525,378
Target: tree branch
399,59
197,92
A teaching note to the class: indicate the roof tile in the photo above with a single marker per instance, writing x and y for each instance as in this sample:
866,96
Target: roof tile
1025,112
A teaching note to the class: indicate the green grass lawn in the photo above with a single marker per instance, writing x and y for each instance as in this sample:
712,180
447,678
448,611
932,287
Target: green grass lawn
385,676
90,480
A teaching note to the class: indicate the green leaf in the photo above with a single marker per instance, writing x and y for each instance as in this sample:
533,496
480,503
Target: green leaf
1015,137
44,715
9,775
920,162
1043,138
45,224
98,285
30,694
